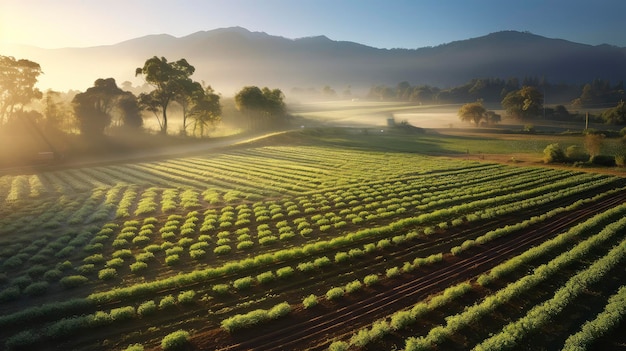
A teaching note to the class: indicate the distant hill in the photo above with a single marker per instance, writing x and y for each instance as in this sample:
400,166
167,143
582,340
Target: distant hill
231,58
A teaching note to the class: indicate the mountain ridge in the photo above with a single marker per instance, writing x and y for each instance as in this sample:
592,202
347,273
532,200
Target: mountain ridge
230,58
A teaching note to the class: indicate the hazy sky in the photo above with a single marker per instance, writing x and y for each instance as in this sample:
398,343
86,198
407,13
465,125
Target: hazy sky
380,23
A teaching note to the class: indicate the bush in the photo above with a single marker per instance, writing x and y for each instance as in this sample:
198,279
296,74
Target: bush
222,250
138,267
36,289
335,293
575,153
167,302
147,308
10,293
175,341
73,281
172,259
309,301
371,279
52,275
122,313
553,153
603,160
265,277
243,283
107,274
186,296
220,289
284,272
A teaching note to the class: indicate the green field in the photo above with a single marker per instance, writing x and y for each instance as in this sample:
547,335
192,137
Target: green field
227,246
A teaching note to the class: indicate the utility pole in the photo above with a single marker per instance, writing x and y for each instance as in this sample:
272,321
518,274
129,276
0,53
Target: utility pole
587,120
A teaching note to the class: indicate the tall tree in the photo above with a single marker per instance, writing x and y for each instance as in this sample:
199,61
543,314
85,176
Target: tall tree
186,96
167,79
95,107
206,110
525,103
17,85
473,112
264,107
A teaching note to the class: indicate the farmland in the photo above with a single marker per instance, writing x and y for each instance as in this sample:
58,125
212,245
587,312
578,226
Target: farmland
312,240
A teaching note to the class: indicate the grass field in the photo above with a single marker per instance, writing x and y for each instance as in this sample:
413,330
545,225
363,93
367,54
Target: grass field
324,238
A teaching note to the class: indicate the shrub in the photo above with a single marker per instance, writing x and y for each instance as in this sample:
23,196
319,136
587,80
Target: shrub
95,259
36,289
243,283
172,259
134,347
353,286
309,301
335,293
553,153
107,274
86,268
167,302
393,272
186,296
73,281
10,293
246,244
197,254
115,262
52,275
371,279
220,289
147,308
222,250
23,340
284,272
138,267
265,277
122,313
175,341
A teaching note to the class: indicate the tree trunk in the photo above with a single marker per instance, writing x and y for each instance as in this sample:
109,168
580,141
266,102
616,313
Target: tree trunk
164,125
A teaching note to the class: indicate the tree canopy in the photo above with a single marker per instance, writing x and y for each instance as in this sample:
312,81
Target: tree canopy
206,110
524,104
264,107
17,85
100,104
475,112
169,80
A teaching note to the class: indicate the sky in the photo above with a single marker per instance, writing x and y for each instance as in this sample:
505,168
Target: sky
379,23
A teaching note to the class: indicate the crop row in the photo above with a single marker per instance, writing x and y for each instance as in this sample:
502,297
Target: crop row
472,314
409,317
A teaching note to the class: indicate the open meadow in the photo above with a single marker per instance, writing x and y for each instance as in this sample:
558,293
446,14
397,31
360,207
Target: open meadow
360,238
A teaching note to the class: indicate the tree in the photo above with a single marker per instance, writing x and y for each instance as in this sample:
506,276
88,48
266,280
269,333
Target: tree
17,85
615,115
129,112
94,109
264,107
206,109
474,112
525,103
187,94
168,80
492,117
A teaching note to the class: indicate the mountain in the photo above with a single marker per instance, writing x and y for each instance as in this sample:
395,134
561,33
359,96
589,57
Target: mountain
231,58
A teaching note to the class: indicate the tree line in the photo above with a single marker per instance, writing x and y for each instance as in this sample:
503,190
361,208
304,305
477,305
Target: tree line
52,117
522,99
